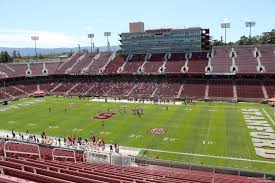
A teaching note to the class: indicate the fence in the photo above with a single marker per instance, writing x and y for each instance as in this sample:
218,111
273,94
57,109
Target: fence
108,158
192,166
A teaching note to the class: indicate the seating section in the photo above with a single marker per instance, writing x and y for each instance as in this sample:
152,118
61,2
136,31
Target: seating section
268,58
82,63
245,60
93,63
220,88
52,67
63,87
249,89
27,87
81,89
98,63
134,63
221,62
143,87
113,66
47,86
11,90
197,66
36,69
152,67
270,88
99,89
7,70
143,90
68,63
194,89
120,89
175,63
19,69
167,90
32,168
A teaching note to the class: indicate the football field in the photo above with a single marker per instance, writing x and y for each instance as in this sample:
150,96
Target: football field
211,134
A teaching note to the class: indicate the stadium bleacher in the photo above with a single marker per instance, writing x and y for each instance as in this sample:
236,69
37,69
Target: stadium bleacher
17,163
132,76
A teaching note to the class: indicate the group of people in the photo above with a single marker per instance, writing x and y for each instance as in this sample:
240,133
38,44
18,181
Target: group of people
152,101
137,111
95,143
98,143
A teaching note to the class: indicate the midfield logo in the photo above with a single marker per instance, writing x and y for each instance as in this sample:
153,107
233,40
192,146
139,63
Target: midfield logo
104,115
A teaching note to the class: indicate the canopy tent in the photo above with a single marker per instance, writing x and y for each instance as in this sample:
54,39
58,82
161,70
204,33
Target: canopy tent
39,93
271,99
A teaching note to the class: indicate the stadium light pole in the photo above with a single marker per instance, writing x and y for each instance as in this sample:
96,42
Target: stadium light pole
107,34
225,26
35,38
250,24
91,36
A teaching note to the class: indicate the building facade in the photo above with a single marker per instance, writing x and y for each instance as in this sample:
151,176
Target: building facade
165,40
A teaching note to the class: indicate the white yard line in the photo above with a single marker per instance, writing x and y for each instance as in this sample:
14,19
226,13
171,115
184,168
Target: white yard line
209,156
268,116
244,136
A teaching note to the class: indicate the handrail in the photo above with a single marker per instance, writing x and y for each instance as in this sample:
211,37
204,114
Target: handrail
57,156
21,152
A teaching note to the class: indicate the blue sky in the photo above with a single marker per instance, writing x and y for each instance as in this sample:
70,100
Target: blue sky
66,23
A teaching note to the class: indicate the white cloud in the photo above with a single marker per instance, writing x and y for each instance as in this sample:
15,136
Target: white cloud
226,20
47,39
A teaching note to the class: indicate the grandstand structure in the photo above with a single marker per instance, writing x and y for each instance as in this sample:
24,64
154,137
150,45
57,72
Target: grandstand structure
242,73
24,162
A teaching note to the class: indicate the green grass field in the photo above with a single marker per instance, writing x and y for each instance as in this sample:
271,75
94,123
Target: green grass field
215,131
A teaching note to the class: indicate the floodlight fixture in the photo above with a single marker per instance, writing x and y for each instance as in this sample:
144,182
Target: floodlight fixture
91,36
225,26
35,38
107,34
250,24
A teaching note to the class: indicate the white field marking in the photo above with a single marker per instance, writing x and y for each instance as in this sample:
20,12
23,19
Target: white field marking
106,133
11,122
208,142
208,156
53,127
133,102
169,139
268,116
18,105
177,103
135,136
244,136
76,129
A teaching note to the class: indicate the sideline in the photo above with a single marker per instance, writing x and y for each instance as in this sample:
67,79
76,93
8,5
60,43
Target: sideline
268,116
124,150
210,156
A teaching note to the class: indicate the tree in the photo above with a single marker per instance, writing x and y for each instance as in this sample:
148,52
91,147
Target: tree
14,54
216,42
40,56
5,57
268,37
243,41
18,54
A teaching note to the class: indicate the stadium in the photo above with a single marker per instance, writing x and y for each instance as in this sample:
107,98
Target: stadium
165,107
